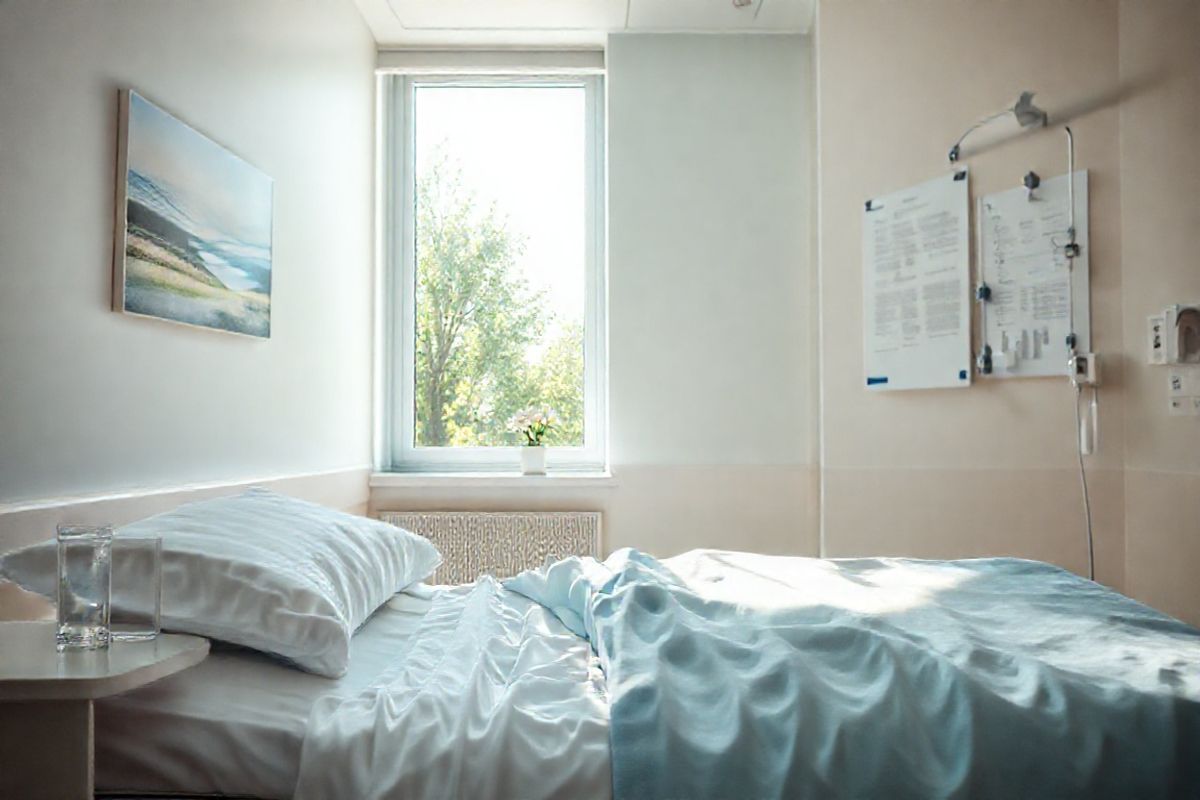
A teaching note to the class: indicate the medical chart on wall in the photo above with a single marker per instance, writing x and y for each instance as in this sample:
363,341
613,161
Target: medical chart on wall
1022,260
916,292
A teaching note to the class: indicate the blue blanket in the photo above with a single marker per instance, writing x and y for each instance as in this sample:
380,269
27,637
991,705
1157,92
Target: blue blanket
751,677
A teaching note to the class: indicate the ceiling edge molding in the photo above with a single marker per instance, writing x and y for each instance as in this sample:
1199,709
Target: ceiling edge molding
417,61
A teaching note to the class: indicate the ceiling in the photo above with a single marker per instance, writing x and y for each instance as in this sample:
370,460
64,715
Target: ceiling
569,23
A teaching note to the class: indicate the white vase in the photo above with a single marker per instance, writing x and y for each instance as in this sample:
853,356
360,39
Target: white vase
533,460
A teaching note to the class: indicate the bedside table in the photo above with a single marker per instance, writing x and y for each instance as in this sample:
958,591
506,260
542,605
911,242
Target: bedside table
46,721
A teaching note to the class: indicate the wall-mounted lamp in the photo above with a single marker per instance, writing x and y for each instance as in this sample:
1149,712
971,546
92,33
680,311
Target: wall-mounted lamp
1027,114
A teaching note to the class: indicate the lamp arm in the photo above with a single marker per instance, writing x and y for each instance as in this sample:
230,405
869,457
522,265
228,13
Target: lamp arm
956,150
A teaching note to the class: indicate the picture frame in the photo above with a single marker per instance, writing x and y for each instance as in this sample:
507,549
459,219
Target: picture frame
193,233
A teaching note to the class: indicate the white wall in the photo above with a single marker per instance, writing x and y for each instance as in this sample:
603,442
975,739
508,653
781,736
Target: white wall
711,301
709,282
93,401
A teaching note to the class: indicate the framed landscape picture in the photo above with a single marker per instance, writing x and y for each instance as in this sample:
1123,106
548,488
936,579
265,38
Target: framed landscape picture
193,227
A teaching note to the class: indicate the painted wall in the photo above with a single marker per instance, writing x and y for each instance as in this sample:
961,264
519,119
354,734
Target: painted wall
988,470
22,525
92,401
714,394
1160,237
711,302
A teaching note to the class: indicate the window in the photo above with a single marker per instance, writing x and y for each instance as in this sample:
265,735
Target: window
493,229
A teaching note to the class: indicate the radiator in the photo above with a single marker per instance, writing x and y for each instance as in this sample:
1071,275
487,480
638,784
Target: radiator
475,543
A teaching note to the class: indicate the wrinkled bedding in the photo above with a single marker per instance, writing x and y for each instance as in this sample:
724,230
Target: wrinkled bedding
740,676
495,699
234,724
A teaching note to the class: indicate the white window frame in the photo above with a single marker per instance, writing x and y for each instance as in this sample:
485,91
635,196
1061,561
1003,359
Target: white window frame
396,449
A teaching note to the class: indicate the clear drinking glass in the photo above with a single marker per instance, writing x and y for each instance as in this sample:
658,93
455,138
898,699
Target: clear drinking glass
136,588
84,586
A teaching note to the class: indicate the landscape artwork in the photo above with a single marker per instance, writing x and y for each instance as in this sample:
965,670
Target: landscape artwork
193,227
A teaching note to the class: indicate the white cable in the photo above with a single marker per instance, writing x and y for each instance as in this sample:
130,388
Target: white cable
1094,412
1070,230
1071,180
1087,503
1079,429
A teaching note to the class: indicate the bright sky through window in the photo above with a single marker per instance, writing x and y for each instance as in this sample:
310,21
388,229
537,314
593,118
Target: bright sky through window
500,174
523,149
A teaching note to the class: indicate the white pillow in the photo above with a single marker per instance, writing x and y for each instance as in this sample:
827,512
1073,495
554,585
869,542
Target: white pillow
264,571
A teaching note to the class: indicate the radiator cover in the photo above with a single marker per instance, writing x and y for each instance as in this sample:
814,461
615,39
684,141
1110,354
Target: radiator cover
500,543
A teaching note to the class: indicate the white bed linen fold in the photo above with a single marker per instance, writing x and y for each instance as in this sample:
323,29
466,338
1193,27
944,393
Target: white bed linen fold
234,724
496,699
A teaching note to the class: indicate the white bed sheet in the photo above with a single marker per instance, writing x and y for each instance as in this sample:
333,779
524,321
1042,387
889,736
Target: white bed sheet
235,723
496,700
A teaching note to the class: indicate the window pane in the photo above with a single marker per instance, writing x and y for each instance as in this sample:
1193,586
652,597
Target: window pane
500,254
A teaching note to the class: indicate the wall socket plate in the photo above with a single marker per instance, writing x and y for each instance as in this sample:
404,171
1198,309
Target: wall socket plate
1183,391
1156,340
1173,337
1085,369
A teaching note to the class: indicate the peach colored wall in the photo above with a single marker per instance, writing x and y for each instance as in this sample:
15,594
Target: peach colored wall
661,509
988,470
1160,234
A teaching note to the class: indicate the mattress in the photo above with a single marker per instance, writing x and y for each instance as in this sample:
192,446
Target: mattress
235,723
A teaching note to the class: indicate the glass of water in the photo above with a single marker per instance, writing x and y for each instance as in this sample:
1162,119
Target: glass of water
136,588
84,586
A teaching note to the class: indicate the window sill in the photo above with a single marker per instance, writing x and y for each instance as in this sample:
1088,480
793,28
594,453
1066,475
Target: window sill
491,480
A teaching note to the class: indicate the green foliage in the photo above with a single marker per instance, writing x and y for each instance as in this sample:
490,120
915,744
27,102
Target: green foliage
476,320
556,381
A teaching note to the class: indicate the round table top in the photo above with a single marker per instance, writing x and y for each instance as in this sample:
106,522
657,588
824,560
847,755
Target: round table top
31,668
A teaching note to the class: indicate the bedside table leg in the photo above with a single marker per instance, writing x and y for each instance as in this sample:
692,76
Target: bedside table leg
46,750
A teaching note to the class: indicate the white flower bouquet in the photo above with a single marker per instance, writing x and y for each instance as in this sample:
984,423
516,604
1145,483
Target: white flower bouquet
533,424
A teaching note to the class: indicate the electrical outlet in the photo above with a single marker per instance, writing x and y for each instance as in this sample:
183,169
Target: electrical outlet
1084,369
1181,334
1183,392
1156,344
